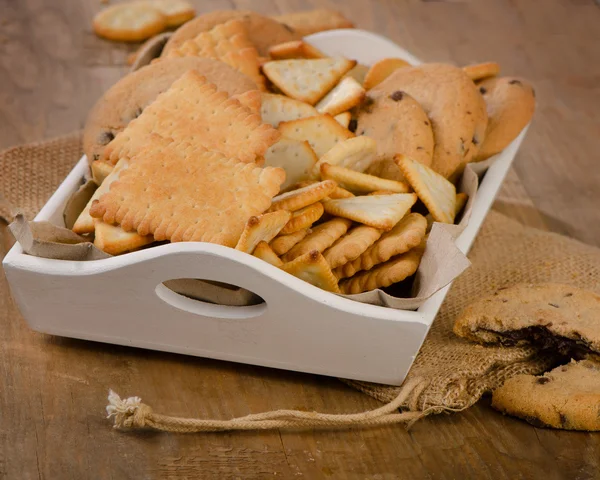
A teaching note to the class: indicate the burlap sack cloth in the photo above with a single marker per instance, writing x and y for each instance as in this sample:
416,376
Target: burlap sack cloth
449,374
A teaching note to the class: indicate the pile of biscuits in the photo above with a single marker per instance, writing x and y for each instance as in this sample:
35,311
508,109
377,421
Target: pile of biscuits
244,135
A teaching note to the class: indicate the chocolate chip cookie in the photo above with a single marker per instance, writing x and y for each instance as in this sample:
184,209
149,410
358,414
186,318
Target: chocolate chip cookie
454,106
568,397
398,124
125,100
510,105
550,316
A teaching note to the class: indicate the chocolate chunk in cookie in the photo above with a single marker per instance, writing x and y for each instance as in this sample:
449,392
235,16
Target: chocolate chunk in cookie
555,317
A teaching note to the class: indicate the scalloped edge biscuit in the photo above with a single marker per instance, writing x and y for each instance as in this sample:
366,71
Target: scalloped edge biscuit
406,235
352,245
321,238
385,274
303,218
281,244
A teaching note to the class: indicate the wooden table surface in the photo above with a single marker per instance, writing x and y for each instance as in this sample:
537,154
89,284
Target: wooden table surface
53,390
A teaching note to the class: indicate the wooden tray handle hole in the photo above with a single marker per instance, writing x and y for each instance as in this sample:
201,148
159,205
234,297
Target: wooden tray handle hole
209,291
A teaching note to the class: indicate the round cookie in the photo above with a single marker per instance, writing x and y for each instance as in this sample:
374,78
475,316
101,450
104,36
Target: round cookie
454,106
566,397
510,105
546,316
398,124
129,22
264,32
126,99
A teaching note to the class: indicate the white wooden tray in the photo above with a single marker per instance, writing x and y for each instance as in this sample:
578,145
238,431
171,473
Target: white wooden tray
121,300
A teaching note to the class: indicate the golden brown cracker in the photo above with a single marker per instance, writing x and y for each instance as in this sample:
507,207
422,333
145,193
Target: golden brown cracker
347,94
279,108
377,211
246,61
358,183
385,274
227,42
262,228
307,80
356,153
303,197
193,110
85,222
406,235
100,170
127,98
351,246
322,132
321,238
461,201
283,243
266,253
295,157
251,99
187,194
303,218
437,193
115,241
312,268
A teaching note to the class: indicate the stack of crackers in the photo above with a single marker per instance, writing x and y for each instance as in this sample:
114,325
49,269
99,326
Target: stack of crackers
330,170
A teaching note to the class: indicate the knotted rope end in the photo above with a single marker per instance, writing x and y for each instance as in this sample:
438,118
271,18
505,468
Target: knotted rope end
127,413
